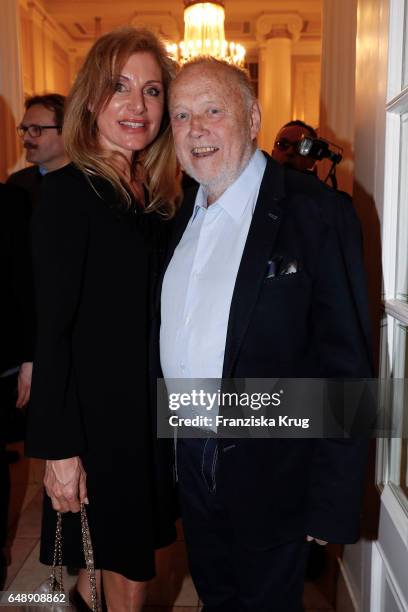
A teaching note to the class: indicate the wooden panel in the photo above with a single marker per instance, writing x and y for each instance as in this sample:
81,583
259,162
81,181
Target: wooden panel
26,53
61,66
306,89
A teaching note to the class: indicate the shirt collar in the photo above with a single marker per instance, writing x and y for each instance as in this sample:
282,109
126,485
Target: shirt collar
235,199
200,201
43,171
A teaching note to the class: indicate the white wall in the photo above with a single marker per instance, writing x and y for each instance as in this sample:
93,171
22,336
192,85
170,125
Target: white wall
337,98
369,119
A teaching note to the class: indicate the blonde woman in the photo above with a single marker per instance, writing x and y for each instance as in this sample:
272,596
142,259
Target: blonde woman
94,246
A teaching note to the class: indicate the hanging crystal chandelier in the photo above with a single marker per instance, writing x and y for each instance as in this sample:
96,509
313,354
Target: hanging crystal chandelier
204,34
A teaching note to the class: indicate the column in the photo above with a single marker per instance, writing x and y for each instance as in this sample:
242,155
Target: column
275,34
337,98
11,88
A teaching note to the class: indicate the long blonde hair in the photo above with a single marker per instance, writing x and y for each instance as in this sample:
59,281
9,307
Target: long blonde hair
93,88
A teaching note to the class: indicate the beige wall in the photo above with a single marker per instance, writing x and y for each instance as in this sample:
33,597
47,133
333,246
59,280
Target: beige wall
46,59
337,100
11,88
301,99
306,89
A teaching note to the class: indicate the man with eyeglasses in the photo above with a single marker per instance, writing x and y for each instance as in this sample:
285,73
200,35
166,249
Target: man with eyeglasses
285,149
40,131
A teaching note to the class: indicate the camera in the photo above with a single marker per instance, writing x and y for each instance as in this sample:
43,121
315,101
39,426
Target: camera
318,148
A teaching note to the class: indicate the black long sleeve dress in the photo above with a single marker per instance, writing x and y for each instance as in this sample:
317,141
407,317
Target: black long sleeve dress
93,264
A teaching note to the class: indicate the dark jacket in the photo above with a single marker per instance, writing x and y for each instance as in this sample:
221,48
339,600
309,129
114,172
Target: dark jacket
16,304
30,180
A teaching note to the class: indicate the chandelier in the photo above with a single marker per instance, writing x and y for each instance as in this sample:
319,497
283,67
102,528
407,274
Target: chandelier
204,34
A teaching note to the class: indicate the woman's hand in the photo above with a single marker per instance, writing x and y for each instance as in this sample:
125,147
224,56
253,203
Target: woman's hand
319,542
65,483
24,383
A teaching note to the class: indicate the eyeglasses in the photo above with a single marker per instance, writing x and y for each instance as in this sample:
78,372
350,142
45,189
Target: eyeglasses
35,130
283,144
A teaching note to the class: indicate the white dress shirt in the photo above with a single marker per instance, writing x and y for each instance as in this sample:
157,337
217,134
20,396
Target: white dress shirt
200,279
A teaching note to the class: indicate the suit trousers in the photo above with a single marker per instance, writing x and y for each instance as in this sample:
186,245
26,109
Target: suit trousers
229,574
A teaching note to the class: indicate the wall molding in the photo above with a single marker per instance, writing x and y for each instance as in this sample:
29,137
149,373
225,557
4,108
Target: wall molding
269,25
346,588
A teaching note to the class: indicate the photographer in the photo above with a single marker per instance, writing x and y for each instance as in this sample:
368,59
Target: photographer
297,146
285,149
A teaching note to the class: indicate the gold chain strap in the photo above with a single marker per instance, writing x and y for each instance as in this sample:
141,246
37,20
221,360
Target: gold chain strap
89,559
56,577
56,583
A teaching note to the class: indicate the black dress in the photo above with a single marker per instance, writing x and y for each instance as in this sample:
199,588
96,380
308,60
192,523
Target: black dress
93,265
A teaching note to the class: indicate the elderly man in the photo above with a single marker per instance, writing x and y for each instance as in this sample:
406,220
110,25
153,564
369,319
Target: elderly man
263,279
41,132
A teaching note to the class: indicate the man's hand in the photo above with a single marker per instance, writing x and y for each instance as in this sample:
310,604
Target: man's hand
65,483
24,384
320,542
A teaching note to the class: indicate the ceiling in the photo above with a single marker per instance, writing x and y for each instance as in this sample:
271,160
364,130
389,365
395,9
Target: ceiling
83,20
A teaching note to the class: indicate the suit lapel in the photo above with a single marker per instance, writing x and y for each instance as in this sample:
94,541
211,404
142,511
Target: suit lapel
258,247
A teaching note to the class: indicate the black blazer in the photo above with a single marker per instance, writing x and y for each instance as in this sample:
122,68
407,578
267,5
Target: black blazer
29,179
17,302
313,323
92,263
